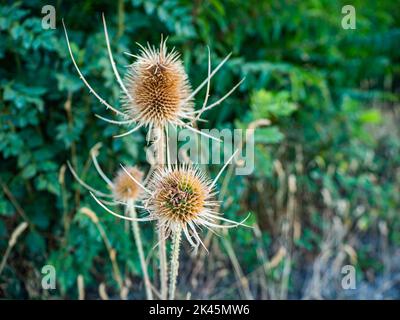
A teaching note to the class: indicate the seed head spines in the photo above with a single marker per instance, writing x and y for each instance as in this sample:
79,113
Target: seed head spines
158,88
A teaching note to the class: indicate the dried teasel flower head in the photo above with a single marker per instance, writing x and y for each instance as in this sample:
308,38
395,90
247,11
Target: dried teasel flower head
158,89
183,198
124,187
180,195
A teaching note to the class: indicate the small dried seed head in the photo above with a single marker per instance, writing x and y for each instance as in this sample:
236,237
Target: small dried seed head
180,195
158,87
124,187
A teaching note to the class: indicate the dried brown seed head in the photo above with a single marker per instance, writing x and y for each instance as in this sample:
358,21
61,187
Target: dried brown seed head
180,196
159,87
125,188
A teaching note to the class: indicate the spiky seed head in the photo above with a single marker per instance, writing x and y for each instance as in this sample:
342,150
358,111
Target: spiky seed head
158,87
180,195
182,198
125,188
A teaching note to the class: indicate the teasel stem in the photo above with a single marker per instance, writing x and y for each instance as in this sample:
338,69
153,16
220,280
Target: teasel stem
139,245
163,262
160,156
176,242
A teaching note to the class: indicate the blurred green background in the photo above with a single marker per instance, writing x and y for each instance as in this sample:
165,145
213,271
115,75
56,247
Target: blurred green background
325,189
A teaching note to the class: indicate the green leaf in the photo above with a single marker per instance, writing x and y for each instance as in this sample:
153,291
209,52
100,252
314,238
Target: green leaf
29,171
269,104
371,116
35,243
268,135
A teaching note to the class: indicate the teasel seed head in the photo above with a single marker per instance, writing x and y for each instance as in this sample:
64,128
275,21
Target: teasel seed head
124,187
158,88
180,195
182,198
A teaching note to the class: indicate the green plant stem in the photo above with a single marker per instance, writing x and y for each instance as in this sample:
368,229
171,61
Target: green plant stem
176,242
121,18
139,245
160,158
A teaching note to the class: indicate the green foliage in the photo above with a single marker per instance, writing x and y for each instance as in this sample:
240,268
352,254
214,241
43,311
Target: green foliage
330,94
271,105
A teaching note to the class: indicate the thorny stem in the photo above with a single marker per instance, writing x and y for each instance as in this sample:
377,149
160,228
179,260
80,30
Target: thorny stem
139,245
163,262
160,156
176,242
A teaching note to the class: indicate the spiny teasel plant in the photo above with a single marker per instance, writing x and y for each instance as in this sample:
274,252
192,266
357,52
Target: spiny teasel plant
156,90
156,93
182,199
